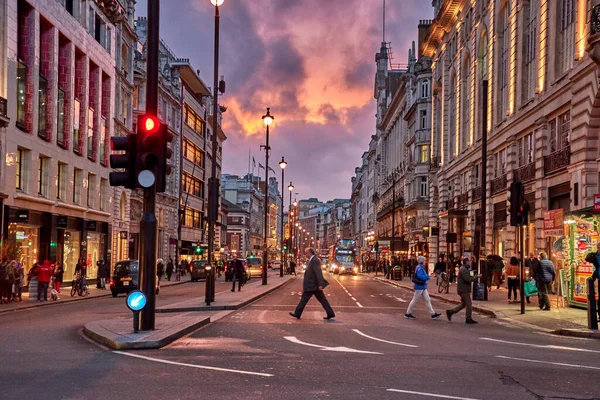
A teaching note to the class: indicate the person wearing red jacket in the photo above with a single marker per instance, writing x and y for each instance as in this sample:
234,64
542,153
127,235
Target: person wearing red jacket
44,274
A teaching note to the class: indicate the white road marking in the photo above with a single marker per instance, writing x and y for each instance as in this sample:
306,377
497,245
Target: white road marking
400,299
158,360
352,298
439,396
383,340
359,305
541,346
341,349
549,363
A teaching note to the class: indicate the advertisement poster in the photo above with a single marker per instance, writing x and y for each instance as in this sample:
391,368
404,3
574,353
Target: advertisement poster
584,239
554,223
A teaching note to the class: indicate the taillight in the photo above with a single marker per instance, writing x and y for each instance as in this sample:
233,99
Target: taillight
111,282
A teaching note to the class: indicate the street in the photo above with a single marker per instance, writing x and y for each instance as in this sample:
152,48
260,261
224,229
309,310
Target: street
260,352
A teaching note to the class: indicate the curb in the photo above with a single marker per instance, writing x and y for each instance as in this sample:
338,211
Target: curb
579,333
75,299
154,344
479,309
223,308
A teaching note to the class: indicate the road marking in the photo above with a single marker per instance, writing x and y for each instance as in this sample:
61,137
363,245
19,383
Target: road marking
440,396
341,349
541,346
400,299
352,298
549,363
158,360
383,340
360,305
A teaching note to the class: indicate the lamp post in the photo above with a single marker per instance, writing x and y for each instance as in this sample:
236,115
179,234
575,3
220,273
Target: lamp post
213,185
267,119
282,164
291,220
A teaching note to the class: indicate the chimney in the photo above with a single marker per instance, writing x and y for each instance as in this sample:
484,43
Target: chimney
424,25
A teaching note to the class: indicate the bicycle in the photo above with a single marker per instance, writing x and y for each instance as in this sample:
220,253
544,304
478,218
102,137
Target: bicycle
79,286
443,282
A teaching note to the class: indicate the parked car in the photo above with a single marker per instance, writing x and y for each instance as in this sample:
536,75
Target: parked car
229,270
125,278
197,270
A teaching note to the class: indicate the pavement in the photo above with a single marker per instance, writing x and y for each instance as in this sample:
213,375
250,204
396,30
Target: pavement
369,351
561,319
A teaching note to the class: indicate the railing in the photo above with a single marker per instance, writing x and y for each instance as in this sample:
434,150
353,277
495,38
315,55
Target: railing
462,200
3,107
499,184
476,193
595,20
525,173
557,160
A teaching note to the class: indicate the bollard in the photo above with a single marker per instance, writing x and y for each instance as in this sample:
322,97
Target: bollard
591,308
208,294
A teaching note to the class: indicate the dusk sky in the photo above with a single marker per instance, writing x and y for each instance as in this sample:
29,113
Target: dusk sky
311,61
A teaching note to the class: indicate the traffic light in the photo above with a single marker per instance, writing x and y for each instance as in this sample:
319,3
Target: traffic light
153,138
126,161
519,207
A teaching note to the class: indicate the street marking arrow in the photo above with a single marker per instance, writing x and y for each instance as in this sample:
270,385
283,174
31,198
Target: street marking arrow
341,349
383,340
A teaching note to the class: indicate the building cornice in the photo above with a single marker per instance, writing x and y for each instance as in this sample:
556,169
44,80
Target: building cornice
443,23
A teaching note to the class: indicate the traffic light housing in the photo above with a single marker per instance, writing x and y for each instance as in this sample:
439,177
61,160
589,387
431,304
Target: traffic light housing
519,207
125,161
153,152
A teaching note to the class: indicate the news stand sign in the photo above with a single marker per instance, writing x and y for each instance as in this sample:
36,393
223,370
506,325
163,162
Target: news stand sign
597,203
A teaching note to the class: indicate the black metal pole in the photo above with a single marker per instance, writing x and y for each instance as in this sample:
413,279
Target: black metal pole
281,230
393,241
213,186
148,226
484,183
291,224
266,248
522,269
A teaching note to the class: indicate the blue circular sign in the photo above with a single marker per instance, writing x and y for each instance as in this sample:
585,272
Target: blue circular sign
136,300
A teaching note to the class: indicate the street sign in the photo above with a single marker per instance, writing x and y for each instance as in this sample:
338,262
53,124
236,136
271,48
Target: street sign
136,300
597,203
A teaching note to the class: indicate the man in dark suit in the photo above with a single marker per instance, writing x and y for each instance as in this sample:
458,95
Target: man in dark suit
313,285
238,273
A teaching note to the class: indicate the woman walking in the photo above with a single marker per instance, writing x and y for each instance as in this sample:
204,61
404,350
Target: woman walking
59,273
19,281
512,276
420,280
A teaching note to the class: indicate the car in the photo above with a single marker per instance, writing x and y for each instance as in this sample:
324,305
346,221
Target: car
125,278
255,266
229,270
344,269
276,264
333,268
197,270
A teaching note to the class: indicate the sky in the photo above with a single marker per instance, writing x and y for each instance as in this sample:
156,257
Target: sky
311,61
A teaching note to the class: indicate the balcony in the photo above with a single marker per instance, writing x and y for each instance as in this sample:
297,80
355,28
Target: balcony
525,173
476,194
3,112
499,184
558,160
462,200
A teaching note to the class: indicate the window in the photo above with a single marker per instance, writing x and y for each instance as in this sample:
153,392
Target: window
61,181
423,187
500,159
424,154
193,218
76,136
566,34
425,89
135,96
60,118
192,185
560,128
465,107
91,190
452,108
90,135
91,18
476,176
43,91
423,118
108,40
103,194
102,143
77,185
504,48
483,73
193,120
41,176
21,94
525,150
19,168
100,30
530,51
193,153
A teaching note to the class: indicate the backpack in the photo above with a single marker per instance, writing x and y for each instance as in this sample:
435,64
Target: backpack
3,272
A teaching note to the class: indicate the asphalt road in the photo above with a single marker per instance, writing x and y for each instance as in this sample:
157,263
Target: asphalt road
259,352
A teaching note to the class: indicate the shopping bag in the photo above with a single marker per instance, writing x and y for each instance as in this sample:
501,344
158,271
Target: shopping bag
530,288
478,291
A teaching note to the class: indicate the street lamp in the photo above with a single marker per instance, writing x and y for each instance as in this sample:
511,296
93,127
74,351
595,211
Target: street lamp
268,120
282,164
213,185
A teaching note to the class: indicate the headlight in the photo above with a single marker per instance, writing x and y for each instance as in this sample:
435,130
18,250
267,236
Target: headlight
355,269
343,268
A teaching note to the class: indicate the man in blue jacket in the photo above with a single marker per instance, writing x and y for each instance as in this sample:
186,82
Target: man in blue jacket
420,280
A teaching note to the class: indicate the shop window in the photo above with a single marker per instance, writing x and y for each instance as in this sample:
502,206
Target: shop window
60,118
21,94
19,168
61,182
43,93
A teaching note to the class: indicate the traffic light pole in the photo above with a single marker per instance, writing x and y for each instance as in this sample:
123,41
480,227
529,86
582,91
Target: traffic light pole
213,185
148,226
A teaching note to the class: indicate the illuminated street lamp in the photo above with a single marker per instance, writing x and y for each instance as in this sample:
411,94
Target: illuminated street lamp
268,120
282,164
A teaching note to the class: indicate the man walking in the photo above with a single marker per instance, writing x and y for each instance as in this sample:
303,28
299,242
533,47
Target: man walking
313,285
547,276
44,275
464,291
238,273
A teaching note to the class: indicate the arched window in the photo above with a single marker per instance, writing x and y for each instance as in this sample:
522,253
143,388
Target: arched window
566,35
465,107
530,51
503,53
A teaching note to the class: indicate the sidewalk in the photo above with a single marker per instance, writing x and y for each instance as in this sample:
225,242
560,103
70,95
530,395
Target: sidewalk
177,319
65,296
567,319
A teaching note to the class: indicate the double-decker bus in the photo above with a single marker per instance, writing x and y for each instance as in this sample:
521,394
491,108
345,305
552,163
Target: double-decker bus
342,258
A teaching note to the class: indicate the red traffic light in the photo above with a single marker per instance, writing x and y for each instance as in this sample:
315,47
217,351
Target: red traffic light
150,124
